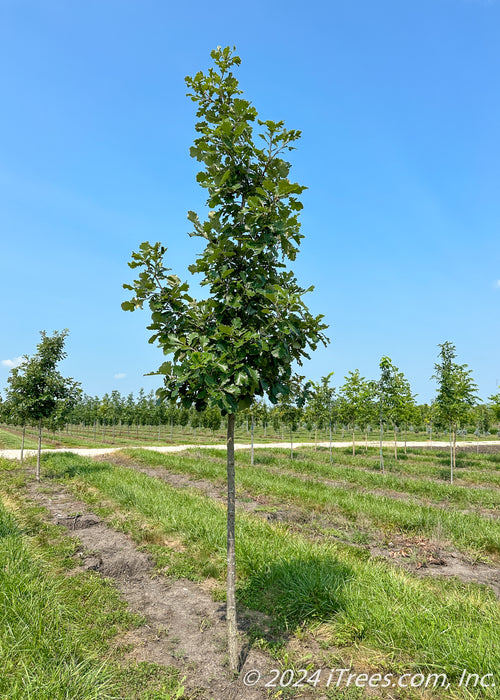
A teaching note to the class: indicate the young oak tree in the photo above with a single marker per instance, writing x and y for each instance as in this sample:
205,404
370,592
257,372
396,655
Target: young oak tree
320,404
37,392
241,340
352,401
291,405
384,391
455,396
495,407
399,401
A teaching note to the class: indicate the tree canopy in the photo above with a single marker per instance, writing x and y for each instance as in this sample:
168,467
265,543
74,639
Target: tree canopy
241,340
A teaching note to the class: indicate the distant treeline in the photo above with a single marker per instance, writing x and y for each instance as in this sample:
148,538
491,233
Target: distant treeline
345,412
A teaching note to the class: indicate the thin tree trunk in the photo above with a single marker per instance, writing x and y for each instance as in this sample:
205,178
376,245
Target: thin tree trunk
39,450
454,452
232,631
315,438
366,439
395,443
330,442
353,443
22,444
451,456
381,453
406,428
291,444
251,448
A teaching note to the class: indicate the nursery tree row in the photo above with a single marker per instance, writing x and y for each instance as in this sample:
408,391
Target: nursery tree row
357,405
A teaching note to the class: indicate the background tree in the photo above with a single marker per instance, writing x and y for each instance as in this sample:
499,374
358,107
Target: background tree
398,399
257,412
455,394
384,392
320,406
241,340
495,407
352,395
368,414
38,391
291,405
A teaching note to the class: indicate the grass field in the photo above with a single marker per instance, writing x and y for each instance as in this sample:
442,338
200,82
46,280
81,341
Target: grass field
342,565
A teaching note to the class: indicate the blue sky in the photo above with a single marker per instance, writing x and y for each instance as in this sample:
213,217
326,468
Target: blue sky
399,107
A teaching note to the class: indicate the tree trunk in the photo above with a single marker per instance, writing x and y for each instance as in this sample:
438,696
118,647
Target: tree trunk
454,452
330,442
22,444
232,631
451,456
39,450
395,443
381,453
366,439
291,444
353,443
315,438
251,448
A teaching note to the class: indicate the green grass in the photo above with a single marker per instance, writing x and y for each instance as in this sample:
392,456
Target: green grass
12,441
427,624
57,632
468,531
425,488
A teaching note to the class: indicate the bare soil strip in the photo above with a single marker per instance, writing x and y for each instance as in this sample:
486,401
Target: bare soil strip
420,555
185,628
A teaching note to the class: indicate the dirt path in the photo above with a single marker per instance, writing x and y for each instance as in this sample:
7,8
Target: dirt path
420,555
185,628
489,445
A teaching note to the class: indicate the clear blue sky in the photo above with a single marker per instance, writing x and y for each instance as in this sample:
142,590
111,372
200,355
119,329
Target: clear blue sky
399,105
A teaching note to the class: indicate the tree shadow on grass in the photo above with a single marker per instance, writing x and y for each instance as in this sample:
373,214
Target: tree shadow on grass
295,592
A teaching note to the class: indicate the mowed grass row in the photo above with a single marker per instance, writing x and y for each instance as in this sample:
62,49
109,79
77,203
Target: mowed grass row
468,531
427,624
424,488
55,630
471,468
11,441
